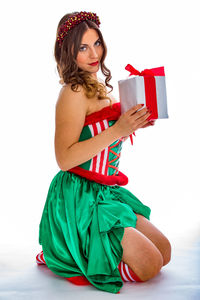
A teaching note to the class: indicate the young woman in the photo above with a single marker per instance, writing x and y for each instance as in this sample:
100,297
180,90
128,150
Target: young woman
92,230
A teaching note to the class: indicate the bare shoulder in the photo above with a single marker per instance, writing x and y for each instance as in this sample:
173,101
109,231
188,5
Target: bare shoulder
71,103
67,95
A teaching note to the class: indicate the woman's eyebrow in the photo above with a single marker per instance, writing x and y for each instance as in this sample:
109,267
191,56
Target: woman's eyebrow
87,44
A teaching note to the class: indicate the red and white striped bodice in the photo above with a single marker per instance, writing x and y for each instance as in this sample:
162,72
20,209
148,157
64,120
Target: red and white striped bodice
103,167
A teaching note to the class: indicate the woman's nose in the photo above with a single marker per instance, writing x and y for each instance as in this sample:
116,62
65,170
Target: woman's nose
93,53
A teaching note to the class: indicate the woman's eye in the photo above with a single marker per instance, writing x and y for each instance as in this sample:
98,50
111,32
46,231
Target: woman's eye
98,43
82,48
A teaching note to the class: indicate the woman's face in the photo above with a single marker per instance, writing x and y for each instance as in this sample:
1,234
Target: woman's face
90,52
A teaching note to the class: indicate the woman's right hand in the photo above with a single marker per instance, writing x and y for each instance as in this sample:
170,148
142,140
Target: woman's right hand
132,120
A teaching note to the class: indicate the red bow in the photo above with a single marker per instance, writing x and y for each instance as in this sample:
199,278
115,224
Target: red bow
147,72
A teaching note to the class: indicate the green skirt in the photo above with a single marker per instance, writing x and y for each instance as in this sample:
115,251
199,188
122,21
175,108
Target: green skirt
82,226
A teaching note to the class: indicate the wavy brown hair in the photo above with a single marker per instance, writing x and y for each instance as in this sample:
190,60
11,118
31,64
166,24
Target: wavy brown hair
67,67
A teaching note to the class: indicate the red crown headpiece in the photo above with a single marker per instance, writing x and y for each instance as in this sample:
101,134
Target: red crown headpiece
73,21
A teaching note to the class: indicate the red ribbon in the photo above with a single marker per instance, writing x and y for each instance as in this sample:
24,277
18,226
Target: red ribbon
131,137
147,72
150,88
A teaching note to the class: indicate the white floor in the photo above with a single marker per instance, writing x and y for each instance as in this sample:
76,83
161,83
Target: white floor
21,278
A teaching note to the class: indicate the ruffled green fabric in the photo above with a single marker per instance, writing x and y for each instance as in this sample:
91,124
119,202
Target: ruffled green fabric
82,226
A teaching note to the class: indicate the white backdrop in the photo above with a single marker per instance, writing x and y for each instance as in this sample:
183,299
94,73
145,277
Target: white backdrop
162,166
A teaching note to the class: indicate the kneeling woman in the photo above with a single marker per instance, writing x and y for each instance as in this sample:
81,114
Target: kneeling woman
93,230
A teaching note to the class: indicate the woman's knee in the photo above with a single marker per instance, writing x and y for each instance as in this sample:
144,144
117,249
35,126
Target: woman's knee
150,266
141,255
156,236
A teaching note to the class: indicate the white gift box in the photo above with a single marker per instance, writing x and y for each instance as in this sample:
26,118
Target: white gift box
145,89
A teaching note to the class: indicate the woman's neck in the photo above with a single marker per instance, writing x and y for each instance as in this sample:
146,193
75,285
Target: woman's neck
94,75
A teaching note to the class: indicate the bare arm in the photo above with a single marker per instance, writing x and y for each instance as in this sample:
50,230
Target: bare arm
70,117
82,151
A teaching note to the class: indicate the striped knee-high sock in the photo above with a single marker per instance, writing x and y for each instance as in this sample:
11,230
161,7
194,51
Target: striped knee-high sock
40,259
126,273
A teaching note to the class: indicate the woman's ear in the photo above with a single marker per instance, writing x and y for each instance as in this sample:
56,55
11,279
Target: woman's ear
61,81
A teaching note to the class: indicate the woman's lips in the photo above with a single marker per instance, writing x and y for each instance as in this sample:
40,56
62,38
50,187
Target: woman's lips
94,64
